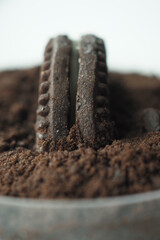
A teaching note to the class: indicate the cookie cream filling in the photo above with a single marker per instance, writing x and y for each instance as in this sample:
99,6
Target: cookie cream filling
74,68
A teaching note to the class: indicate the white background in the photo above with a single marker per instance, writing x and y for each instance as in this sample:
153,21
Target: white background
131,29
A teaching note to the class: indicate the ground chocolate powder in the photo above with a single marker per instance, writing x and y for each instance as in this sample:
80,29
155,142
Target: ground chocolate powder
130,164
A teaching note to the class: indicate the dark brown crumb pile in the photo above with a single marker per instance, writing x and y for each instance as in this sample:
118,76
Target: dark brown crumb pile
131,164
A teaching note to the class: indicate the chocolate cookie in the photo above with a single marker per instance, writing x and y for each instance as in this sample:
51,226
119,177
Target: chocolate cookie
92,103
53,102
74,91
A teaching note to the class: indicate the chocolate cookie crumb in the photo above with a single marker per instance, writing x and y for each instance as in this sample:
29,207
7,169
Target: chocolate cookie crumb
131,164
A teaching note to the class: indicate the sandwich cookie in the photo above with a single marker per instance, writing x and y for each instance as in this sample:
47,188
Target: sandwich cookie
73,90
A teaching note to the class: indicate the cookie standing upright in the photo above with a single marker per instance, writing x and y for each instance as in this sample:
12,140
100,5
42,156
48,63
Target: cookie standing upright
53,102
92,103
74,91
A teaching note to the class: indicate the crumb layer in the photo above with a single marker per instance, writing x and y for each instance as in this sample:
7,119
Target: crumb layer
131,164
